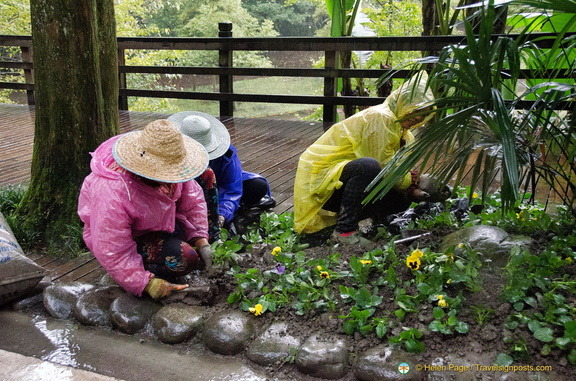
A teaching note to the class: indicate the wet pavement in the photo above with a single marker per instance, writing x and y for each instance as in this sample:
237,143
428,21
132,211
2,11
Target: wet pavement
16,367
73,352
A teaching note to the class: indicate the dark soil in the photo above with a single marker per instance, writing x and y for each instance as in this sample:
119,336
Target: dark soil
482,343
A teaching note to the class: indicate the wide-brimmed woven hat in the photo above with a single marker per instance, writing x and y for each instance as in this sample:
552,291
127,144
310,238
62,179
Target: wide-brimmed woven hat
160,152
205,129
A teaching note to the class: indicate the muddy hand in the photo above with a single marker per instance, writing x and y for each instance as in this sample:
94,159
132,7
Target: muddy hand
435,190
420,195
206,254
159,288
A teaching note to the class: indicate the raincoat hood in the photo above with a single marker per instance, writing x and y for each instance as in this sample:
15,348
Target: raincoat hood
374,132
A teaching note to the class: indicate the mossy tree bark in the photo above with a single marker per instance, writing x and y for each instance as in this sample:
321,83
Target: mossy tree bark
76,93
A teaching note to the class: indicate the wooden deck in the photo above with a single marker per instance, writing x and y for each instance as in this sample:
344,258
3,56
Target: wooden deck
267,146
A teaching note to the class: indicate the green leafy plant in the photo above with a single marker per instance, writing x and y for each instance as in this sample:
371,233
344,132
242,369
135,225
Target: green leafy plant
409,338
447,323
482,314
227,250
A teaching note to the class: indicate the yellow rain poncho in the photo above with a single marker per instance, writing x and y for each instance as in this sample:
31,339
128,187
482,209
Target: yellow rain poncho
374,132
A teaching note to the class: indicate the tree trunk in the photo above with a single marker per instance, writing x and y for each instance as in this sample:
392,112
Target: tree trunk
429,17
76,90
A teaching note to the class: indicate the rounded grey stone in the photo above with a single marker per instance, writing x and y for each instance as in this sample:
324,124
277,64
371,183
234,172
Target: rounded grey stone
381,363
176,323
228,332
494,243
274,346
93,307
59,298
130,313
323,357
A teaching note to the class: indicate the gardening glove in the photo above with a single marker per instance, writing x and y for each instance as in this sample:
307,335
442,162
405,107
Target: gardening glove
206,253
159,288
221,220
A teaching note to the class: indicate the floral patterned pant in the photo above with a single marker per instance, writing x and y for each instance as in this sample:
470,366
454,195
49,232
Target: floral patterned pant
167,256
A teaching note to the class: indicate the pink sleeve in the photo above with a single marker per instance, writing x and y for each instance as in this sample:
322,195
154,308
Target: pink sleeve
192,212
111,238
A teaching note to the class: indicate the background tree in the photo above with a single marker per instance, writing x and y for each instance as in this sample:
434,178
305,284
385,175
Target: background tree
76,81
290,18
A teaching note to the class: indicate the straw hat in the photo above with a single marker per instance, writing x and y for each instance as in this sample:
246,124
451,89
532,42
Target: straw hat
160,152
205,129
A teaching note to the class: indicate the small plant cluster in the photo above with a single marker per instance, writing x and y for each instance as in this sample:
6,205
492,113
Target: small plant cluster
541,288
356,290
375,293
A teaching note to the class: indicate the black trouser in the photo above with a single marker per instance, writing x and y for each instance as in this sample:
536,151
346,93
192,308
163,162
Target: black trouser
253,190
347,201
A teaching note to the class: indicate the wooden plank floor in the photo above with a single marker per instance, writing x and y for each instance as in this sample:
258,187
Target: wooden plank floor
267,146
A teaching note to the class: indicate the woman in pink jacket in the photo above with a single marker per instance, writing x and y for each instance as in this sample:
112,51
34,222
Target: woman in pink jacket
144,220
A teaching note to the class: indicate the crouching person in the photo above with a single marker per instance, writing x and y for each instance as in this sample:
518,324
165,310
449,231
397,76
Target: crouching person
242,195
144,220
334,171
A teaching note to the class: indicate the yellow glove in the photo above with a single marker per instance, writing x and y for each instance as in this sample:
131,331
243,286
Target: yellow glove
159,288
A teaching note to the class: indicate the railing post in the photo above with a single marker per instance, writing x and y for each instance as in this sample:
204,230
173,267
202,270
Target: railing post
122,100
28,73
226,80
330,86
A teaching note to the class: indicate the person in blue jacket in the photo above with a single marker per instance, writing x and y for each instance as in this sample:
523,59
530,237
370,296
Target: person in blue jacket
237,189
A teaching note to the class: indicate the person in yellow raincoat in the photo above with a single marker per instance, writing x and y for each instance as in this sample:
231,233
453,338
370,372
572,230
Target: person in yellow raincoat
334,171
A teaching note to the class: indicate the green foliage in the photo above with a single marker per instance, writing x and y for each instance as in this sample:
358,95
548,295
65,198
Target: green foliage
15,17
398,18
10,197
227,250
477,91
68,243
409,338
277,230
482,314
290,18
538,288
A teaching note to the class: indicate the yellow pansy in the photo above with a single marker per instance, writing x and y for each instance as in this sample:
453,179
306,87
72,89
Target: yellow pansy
413,262
474,195
319,268
277,250
366,261
441,301
256,310
324,275
417,253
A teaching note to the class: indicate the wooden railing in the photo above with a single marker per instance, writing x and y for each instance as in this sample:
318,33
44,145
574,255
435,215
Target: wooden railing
225,44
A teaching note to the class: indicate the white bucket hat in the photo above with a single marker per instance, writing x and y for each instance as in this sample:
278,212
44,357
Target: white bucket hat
205,129
160,152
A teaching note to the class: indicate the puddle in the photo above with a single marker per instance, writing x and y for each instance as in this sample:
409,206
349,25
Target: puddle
65,351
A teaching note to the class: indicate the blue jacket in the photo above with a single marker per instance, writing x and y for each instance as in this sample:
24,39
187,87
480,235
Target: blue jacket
229,177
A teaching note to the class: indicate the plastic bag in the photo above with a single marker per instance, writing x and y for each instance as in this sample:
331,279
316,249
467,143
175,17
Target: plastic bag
18,273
